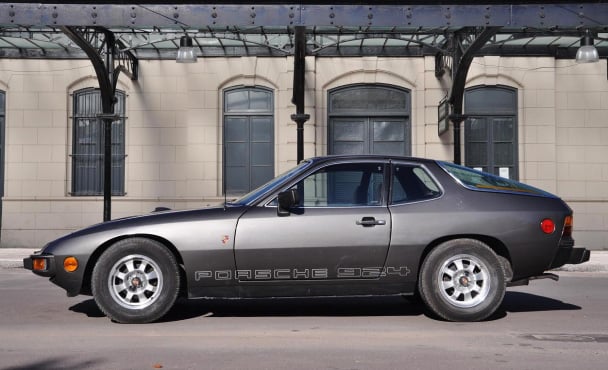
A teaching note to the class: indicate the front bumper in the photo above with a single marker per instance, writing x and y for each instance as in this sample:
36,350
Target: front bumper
49,265
40,264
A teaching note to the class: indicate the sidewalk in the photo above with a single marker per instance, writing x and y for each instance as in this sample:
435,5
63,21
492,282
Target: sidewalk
13,258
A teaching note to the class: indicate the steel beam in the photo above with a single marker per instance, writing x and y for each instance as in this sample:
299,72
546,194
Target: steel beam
178,16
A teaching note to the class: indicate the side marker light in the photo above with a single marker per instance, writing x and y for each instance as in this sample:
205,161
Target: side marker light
70,264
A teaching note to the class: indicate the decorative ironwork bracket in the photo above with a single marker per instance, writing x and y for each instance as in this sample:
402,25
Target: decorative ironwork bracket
463,45
108,61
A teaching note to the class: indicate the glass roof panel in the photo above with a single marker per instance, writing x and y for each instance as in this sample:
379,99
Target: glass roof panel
15,39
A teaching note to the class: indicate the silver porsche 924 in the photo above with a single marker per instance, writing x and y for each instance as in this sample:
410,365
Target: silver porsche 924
332,226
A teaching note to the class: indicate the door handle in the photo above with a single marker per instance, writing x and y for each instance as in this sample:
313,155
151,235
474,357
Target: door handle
370,221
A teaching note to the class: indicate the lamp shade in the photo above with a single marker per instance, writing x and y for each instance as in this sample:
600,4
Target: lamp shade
587,53
186,52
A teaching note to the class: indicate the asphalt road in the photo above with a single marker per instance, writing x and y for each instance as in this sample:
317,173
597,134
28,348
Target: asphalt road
547,325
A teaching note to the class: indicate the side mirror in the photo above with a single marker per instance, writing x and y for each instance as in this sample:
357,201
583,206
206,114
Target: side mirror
286,201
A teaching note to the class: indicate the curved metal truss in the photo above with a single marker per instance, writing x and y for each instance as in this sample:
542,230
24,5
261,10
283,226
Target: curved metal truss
159,43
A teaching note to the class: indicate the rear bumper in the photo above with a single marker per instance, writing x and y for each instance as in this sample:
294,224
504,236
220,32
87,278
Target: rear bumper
565,255
569,255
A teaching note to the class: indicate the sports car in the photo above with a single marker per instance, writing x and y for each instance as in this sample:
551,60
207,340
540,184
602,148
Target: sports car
332,226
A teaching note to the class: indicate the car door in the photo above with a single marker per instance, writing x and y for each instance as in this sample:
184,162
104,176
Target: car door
340,229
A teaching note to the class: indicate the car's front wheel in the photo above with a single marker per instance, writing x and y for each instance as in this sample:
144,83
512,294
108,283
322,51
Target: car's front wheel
462,280
135,281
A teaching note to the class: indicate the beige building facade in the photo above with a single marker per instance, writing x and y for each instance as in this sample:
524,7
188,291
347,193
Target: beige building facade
175,114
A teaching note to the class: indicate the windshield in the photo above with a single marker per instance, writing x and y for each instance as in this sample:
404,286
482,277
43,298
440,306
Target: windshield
478,180
254,194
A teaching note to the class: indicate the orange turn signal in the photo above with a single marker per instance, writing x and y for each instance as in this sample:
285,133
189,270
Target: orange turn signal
568,222
70,264
39,264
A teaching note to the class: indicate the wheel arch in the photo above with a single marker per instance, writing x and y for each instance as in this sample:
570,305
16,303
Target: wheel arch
86,281
495,244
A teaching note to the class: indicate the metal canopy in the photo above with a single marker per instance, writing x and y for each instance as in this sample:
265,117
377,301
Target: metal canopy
152,31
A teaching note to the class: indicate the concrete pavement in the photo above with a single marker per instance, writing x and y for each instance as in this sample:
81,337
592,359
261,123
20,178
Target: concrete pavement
13,258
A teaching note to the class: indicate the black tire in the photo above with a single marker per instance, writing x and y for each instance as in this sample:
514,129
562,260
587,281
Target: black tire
462,280
136,281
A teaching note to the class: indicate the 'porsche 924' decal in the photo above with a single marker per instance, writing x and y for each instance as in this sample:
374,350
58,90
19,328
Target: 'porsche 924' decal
302,274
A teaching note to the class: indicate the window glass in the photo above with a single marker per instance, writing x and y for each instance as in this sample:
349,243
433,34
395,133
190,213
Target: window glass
412,183
248,99
366,98
478,180
343,185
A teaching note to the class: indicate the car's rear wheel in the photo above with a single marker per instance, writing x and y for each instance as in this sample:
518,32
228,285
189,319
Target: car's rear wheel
462,280
136,281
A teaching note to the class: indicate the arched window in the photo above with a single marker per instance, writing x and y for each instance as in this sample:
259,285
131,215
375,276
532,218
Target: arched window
491,130
88,144
369,119
248,138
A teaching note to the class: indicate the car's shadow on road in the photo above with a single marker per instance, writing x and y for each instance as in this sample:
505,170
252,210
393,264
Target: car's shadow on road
514,302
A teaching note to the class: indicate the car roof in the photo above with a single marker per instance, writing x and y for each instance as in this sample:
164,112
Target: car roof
367,157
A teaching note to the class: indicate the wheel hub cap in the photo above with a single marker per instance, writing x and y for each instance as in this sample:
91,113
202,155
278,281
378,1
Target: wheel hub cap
135,281
464,281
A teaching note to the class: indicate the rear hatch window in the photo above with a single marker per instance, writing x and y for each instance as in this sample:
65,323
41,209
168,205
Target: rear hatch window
483,181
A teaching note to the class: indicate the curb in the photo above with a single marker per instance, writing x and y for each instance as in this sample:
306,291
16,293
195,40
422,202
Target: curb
13,258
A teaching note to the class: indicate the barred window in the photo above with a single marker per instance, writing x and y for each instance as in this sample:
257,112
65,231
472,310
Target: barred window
88,144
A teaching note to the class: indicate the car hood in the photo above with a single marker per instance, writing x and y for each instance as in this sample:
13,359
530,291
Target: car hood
151,224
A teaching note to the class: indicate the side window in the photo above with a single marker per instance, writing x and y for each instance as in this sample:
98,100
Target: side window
343,185
412,183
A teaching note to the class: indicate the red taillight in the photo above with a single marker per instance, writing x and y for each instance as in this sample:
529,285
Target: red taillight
568,223
547,226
